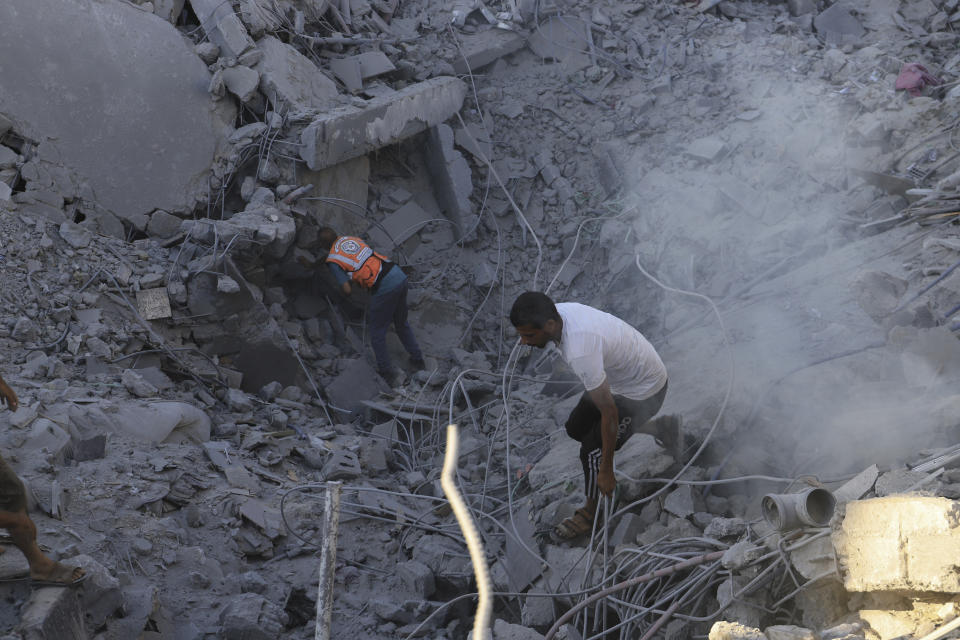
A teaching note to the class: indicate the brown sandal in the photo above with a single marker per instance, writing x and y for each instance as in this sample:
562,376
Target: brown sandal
579,524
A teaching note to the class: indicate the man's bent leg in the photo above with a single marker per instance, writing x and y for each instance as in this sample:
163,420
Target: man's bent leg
667,429
378,319
14,518
583,425
404,332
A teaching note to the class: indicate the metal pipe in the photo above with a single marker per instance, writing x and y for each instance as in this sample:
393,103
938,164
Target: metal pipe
328,560
626,584
481,622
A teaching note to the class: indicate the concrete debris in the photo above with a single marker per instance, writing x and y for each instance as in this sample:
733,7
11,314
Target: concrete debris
347,132
417,577
52,613
222,26
561,40
241,81
509,631
707,149
838,24
478,50
289,80
734,631
407,221
898,543
250,616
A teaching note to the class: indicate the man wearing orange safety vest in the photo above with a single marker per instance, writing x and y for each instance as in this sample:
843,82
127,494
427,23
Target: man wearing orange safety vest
351,260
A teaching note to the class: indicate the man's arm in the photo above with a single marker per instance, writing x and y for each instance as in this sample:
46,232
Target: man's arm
341,277
609,419
7,395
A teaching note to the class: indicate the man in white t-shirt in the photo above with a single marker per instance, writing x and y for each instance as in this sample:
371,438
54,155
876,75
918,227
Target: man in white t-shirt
625,383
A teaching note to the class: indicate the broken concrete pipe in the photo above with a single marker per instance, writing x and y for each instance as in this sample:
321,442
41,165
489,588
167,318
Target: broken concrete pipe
787,511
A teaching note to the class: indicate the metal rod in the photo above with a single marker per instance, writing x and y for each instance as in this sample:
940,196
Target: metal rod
626,584
328,560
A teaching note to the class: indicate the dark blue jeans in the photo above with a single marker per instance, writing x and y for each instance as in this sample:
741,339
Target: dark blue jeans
385,308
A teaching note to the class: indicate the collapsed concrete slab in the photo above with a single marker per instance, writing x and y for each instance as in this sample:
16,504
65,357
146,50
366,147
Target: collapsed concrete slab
122,103
349,131
899,543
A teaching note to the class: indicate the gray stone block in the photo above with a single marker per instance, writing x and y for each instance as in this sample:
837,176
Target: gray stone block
52,613
222,26
287,77
101,594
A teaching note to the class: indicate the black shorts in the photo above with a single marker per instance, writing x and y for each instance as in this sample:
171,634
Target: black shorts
585,417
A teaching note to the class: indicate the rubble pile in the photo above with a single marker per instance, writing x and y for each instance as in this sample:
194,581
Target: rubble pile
190,376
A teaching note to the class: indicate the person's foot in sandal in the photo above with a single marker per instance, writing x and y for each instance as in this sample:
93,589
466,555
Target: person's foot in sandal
577,525
56,575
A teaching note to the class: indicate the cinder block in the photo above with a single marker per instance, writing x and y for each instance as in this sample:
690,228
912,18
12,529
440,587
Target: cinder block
899,543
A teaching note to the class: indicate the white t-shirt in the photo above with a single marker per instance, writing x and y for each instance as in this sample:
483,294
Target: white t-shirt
600,346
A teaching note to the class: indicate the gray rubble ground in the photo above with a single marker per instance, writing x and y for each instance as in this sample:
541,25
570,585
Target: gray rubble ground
181,368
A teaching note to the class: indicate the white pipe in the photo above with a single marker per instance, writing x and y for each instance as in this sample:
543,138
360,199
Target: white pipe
481,622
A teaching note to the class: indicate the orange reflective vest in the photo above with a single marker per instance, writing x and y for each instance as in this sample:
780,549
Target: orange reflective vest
355,257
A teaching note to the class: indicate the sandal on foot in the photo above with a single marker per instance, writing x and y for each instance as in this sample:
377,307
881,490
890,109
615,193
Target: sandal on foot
62,577
579,524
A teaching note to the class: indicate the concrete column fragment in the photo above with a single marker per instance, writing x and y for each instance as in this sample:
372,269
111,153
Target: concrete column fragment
348,132
901,542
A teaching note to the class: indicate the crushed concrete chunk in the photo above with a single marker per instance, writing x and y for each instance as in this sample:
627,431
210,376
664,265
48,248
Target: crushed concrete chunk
479,50
417,577
52,613
856,487
250,616
287,77
788,632
838,25
222,26
241,81
707,149
734,631
561,39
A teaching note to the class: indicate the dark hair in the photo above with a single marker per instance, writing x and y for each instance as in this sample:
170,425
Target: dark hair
533,308
326,236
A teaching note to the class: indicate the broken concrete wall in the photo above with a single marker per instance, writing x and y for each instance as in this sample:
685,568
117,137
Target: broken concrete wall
899,543
122,104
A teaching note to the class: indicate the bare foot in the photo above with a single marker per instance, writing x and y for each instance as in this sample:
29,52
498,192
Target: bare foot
57,574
